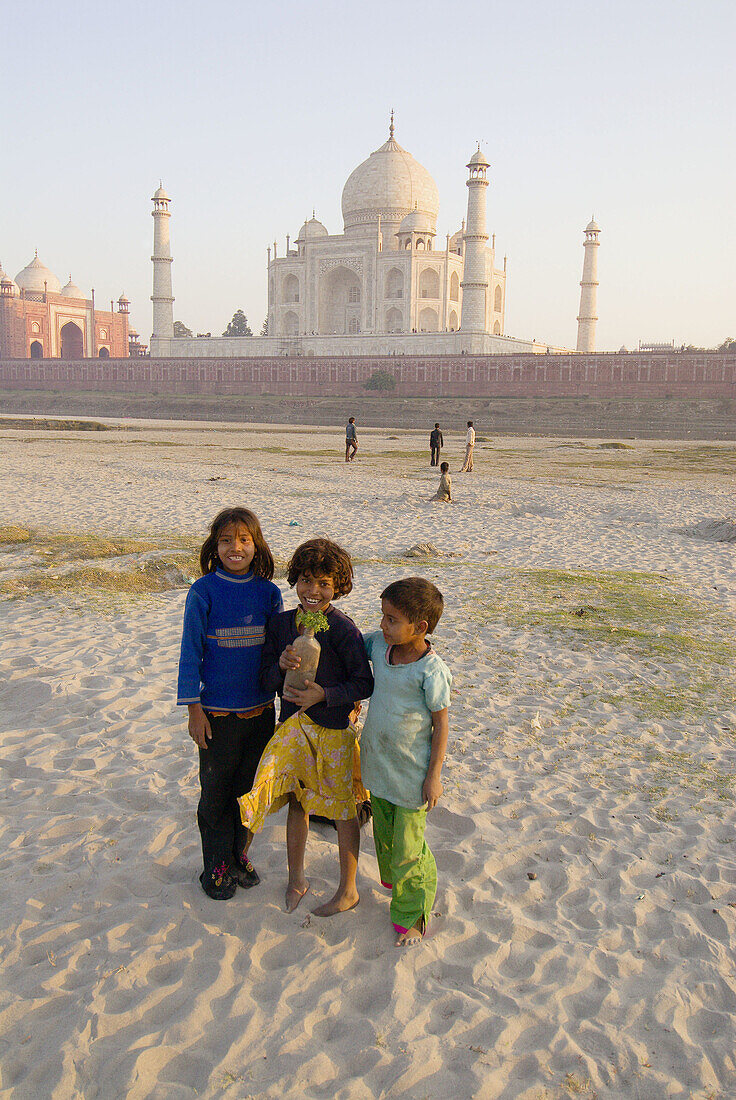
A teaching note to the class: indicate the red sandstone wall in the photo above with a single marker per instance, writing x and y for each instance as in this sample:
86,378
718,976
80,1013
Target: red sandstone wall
709,374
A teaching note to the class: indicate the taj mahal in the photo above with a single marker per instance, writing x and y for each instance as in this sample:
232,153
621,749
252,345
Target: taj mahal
381,287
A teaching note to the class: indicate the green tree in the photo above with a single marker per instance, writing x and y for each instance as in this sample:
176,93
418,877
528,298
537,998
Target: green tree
238,326
381,380
180,329
264,327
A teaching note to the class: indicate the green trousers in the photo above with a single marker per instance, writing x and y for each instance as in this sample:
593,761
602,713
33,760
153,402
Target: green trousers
405,863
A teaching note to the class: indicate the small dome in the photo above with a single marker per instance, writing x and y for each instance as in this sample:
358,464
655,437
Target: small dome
592,226
416,222
34,275
160,193
71,290
311,229
456,240
478,160
6,281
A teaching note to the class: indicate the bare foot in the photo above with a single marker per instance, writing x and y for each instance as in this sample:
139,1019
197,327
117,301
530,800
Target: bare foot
413,936
340,903
294,895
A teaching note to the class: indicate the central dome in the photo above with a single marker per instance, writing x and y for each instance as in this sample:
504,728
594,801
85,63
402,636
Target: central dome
390,183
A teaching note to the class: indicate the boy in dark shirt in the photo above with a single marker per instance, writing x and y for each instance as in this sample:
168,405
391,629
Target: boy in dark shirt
436,443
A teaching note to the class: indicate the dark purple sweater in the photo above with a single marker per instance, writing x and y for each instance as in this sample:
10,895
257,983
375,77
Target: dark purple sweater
343,670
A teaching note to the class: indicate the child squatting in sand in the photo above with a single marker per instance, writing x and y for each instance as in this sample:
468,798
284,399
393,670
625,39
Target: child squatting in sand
444,489
309,760
403,747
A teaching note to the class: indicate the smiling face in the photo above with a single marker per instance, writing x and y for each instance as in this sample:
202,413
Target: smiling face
397,629
235,548
315,592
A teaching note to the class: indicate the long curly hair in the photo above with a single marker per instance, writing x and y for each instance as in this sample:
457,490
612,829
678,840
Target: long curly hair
262,564
322,557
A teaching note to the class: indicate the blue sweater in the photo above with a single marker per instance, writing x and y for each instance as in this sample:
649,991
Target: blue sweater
224,628
343,670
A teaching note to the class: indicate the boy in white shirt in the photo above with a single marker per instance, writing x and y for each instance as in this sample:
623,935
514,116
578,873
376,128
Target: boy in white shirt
469,444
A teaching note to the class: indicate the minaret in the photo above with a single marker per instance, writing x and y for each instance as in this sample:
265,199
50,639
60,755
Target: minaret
475,238
162,298
588,316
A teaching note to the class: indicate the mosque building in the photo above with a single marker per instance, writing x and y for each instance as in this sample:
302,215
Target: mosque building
383,286
40,319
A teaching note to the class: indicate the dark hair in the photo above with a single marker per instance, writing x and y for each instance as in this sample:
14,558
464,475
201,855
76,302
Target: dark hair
351,420
437,424
470,423
262,564
322,557
444,465
416,598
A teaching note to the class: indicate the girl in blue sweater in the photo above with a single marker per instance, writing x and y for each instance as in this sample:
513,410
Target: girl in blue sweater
231,718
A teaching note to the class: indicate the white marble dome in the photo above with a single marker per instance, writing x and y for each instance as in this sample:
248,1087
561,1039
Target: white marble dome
311,229
592,226
390,183
6,280
417,222
34,275
71,290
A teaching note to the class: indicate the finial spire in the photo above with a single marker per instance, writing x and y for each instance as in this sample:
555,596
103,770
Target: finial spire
391,127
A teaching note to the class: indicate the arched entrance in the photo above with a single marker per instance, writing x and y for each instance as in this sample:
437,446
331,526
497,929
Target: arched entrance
36,350
104,353
72,344
394,320
291,324
428,321
339,301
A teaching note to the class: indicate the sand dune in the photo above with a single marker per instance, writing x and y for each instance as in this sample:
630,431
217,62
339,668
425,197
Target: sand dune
582,942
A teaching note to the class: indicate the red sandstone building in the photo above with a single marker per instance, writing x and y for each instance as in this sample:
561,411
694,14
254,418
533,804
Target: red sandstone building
40,319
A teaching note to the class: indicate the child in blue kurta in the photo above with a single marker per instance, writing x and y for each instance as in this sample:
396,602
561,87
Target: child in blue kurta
231,716
403,747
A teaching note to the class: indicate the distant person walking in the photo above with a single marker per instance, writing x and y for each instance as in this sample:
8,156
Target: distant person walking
436,443
467,465
351,440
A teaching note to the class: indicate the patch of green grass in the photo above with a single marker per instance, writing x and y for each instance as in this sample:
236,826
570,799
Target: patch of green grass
105,591
642,612
13,535
161,575
42,423
68,546
690,697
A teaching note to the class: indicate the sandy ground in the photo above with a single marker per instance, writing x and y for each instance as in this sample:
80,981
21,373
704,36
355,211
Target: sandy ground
582,940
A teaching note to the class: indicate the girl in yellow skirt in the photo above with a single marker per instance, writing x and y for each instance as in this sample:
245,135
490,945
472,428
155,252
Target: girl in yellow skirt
308,763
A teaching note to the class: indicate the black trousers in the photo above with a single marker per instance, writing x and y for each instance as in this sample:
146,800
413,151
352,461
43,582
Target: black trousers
226,770
434,455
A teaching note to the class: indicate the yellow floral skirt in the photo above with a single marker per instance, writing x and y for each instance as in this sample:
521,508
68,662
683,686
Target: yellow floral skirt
320,766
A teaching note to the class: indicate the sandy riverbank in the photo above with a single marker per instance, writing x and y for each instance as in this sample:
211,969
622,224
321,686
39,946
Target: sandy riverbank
582,942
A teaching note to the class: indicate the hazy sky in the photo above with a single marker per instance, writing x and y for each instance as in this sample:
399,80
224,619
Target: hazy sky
253,114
